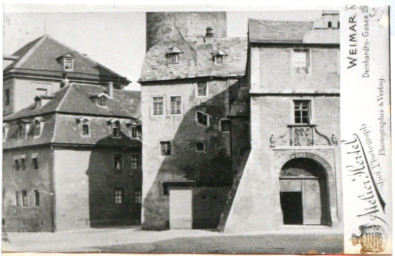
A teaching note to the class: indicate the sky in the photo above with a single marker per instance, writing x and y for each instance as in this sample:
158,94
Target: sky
113,36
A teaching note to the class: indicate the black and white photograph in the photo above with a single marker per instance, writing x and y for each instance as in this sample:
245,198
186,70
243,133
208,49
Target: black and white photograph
196,131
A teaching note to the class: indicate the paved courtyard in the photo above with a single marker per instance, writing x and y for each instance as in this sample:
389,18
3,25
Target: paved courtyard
133,239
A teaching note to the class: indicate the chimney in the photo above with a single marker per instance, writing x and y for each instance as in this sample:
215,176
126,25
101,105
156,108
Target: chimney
110,89
209,37
65,81
37,102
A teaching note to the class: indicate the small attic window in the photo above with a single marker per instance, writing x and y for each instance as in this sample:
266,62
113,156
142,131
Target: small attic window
68,64
219,56
102,101
173,55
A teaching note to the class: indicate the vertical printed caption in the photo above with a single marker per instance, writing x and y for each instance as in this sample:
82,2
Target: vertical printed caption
365,127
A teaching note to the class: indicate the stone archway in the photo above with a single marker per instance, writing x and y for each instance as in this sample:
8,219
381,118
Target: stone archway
304,193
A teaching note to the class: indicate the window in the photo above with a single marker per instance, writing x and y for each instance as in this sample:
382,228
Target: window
133,131
225,125
202,118
173,58
175,102
302,111
202,89
34,162
16,164
36,198
329,24
158,105
118,195
137,196
24,197
301,61
102,101
134,159
23,164
21,131
17,198
41,91
37,129
7,97
118,163
85,128
200,146
219,59
68,64
165,148
116,129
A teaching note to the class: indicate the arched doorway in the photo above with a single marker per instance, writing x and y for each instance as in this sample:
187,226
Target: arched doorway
304,193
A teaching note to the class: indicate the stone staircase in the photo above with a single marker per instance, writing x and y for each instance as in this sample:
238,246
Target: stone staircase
232,192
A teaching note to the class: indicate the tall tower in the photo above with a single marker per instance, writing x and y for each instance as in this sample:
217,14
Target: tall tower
163,25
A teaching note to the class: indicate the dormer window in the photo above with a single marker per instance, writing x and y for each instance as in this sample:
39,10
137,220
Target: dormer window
21,131
219,56
37,128
67,60
173,55
115,128
102,101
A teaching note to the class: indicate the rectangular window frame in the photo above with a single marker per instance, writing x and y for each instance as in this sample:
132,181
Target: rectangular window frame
197,118
24,198
295,62
35,164
169,148
153,112
204,147
137,196
36,197
221,125
198,90
118,196
173,111
17,165
23,163
118,165
18,201
299,116
134,162
41,91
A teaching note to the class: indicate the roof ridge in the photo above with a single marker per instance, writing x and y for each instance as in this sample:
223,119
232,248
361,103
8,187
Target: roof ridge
86,57
25,56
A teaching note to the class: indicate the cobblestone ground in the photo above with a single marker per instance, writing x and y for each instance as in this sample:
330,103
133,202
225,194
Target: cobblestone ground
188,241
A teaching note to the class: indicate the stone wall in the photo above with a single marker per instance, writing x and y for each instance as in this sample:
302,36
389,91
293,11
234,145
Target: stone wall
185,164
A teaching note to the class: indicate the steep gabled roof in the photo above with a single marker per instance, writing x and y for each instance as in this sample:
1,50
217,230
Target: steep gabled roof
265,31
41,56
77,99
196,59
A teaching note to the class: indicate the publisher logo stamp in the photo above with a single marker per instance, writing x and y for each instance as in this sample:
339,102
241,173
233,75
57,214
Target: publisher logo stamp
372,239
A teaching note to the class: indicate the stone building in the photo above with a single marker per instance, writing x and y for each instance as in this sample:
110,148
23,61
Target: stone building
73,160
38,68
274,120
294,108
188,87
